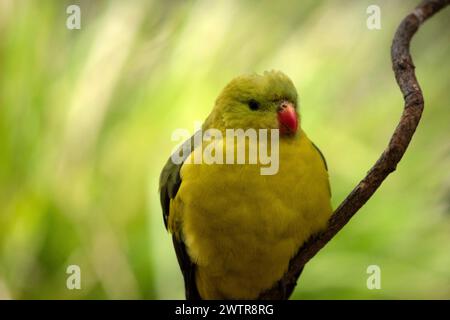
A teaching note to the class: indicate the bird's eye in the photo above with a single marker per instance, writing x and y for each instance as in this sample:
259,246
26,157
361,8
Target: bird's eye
253,104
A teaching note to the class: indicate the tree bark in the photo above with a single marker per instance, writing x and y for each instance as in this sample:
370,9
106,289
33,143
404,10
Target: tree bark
403,68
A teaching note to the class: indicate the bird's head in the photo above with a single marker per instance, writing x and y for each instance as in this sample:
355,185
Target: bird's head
267,101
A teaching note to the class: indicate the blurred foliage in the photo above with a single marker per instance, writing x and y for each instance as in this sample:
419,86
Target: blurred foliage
86,118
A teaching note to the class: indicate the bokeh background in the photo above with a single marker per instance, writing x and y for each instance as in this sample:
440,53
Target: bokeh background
86,118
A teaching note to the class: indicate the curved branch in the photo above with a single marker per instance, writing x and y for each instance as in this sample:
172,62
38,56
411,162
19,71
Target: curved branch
403,67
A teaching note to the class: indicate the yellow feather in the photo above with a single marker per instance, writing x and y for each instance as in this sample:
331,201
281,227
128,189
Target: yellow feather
240,227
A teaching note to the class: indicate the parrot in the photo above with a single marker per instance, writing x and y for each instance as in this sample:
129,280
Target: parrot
234,230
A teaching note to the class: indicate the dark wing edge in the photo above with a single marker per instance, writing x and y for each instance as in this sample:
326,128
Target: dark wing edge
324,163
321,155
169,183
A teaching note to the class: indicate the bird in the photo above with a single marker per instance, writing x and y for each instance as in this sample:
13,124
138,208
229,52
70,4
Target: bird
235,230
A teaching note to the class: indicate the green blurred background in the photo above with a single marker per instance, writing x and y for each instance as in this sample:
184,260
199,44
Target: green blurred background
86,118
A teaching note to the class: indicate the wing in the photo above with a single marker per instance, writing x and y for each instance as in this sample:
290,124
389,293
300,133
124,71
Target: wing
324,163
288,287
169,183
321,155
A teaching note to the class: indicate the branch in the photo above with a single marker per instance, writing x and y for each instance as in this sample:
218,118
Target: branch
403,67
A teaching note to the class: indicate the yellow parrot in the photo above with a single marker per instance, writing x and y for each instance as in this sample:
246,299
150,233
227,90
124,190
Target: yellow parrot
234,229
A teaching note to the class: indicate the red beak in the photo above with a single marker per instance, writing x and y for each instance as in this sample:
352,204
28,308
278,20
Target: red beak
287,118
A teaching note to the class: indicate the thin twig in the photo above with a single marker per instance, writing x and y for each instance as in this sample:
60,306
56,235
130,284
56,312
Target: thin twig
403,67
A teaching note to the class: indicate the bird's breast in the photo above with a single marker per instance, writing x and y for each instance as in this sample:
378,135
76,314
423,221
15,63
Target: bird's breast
241,227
